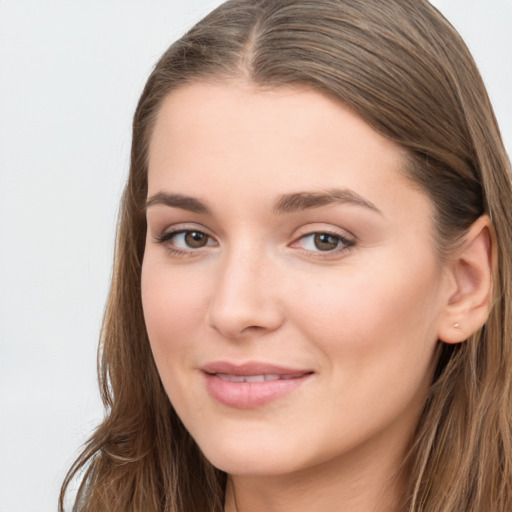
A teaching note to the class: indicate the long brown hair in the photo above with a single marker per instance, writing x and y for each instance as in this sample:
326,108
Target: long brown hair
404,69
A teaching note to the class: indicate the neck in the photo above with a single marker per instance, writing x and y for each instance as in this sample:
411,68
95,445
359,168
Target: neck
363,484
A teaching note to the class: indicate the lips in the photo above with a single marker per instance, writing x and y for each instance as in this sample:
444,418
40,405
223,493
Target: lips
254,378
251,385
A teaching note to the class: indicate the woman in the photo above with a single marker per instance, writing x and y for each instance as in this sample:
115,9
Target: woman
311,299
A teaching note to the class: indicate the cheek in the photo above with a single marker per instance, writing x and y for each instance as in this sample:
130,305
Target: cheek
362,306
173,309
376,328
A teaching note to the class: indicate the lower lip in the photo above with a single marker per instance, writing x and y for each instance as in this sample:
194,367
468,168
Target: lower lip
249,395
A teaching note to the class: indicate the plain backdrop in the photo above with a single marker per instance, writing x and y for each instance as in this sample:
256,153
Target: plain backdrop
70,75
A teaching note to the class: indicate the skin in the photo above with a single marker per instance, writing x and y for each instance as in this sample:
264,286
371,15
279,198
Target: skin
363,317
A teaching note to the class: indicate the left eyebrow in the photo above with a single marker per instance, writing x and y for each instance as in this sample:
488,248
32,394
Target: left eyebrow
298,201
188,203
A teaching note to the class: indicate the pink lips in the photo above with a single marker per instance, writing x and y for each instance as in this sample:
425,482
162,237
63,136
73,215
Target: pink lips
251,385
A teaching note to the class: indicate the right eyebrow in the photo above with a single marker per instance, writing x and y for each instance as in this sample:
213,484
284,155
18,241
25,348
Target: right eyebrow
178,201
298,201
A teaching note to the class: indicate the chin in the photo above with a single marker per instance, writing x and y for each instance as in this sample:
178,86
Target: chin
240,455
249,465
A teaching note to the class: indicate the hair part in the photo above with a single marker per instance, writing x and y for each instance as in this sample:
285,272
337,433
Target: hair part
402,68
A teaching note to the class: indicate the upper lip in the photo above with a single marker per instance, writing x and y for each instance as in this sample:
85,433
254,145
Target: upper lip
251,368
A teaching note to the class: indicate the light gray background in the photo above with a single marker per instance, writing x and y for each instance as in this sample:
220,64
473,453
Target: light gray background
70,76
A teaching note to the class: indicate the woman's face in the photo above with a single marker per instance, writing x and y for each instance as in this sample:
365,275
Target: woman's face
291,289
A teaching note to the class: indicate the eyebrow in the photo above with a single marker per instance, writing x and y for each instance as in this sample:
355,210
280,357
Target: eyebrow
191,204
287,203
304,200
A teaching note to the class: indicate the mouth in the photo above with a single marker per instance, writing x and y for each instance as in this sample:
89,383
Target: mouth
256,378
251,385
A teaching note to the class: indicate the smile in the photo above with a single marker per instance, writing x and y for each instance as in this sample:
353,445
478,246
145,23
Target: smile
256,378
251,385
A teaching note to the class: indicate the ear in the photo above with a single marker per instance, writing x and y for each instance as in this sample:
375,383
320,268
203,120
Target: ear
470,273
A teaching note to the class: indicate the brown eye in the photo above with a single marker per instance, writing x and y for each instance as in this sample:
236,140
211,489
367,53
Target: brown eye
195,239
185,239
326,242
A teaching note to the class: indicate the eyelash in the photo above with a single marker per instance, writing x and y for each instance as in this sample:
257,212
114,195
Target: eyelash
344,243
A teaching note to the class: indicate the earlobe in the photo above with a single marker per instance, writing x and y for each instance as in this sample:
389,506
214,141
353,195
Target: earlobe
471,272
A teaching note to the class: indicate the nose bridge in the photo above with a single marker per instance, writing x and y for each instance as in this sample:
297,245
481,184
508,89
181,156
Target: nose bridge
244,297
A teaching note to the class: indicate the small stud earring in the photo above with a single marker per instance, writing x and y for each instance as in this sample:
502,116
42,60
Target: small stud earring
456,325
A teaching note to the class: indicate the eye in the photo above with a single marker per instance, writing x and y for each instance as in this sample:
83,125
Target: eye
186,239
324,242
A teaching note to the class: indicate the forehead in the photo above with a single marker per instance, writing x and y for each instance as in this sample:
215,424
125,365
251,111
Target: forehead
216,138
237,112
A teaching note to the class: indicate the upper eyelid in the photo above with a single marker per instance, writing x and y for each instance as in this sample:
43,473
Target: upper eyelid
348,241
185,226
335,231
326,232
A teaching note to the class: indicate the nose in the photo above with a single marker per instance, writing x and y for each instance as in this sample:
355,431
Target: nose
245,298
